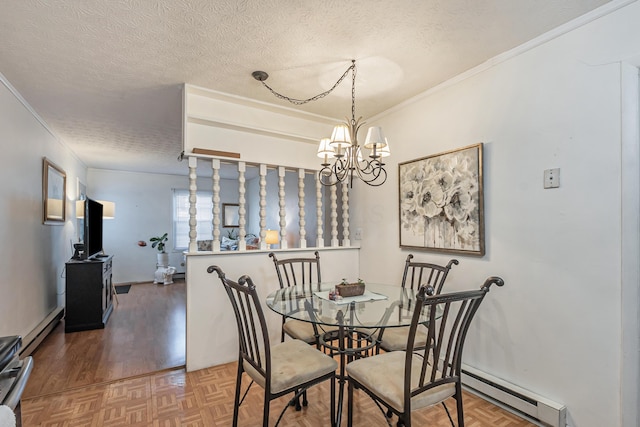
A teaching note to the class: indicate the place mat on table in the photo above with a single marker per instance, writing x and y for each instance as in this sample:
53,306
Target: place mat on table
366,296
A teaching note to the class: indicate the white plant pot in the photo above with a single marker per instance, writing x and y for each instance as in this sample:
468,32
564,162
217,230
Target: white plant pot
163,260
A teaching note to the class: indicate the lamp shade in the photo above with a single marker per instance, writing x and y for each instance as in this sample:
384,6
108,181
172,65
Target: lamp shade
108,209
80,209
385,151
341,138
271,237
325,150
375,137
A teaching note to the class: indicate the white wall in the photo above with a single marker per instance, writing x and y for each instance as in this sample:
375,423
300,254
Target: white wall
33,254
555,327
212,336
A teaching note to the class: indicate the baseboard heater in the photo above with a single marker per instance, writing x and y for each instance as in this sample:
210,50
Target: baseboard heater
521,401
33,339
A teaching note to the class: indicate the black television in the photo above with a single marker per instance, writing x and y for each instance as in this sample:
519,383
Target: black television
92,228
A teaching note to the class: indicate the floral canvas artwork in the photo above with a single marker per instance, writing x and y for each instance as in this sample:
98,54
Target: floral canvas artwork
441,203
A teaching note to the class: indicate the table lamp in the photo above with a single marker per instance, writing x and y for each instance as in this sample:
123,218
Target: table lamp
271,237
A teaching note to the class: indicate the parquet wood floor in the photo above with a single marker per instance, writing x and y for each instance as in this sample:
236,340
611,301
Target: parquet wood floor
205,398
145,333
78,379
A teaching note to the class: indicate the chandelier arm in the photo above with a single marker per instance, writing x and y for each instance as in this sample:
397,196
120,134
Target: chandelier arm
296,101
371,173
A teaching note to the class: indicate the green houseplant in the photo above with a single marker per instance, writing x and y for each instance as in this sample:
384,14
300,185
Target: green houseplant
162,266
159,242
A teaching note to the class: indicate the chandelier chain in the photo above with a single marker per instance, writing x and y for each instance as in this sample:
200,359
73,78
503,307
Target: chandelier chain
353,93
296,101
349,159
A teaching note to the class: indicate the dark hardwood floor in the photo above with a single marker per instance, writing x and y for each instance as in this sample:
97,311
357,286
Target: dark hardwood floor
145,333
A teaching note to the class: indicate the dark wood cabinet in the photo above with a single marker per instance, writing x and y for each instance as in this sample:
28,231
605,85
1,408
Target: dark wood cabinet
89,294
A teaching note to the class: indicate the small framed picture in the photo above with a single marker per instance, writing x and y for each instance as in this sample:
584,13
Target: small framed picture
230,215
54,193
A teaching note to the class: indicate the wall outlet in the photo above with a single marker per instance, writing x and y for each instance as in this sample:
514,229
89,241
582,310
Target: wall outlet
358,234
552,178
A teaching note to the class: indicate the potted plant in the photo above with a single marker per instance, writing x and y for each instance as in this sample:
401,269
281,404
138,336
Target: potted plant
159,242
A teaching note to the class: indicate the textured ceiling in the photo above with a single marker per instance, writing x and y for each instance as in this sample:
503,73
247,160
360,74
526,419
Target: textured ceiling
106,75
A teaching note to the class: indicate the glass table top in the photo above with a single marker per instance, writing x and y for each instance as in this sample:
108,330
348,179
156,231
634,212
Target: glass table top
382,305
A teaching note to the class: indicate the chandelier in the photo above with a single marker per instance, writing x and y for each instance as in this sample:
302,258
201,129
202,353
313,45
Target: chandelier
343,157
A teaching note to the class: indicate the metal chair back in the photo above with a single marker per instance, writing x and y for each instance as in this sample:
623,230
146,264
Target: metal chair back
297,271
450,316
253,336
418,274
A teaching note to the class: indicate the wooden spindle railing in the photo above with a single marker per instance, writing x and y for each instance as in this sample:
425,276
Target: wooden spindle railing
263,170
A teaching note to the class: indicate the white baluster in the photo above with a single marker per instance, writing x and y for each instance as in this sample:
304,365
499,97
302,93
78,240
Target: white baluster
263,207
334,217
193,164
319,231
345,214
242,211
302,222
283,212
215,245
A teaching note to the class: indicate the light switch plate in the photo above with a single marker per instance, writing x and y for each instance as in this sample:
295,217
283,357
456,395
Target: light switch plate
552,178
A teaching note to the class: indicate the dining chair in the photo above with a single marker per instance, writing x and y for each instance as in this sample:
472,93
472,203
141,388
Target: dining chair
405,381
416,274
287,367
298,272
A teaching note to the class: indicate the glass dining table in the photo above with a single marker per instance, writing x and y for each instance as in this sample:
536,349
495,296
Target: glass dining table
347,327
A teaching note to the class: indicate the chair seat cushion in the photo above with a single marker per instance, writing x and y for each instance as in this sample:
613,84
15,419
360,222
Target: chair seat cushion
300,330
395,339
384,376
293,363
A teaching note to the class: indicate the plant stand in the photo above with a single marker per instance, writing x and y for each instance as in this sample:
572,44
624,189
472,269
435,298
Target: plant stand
164,273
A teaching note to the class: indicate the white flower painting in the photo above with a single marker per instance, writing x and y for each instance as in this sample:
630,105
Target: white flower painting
441,204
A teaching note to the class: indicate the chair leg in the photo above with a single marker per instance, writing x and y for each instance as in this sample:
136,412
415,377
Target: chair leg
236,405
406,420
459,405
448,414
265,411
350,404
333,402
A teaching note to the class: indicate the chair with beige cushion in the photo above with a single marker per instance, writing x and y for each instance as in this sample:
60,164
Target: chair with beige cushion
297,272
416,274
305,272
287,367
406,381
